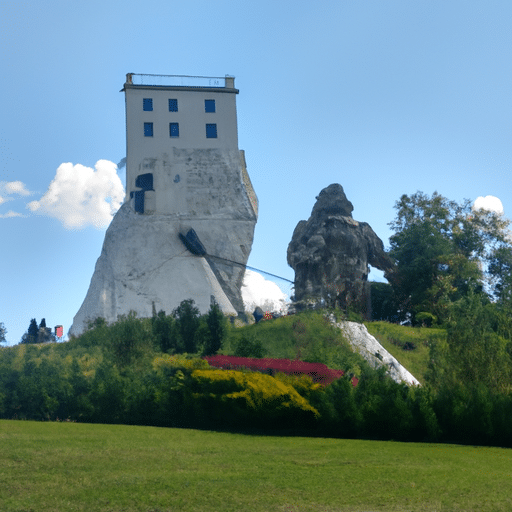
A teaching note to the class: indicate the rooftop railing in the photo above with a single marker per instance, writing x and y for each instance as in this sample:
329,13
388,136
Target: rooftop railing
180,80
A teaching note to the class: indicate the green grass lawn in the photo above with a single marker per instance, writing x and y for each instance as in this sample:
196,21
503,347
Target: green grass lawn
393,337
72,466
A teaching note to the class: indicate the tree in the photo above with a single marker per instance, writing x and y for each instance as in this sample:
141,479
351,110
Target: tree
187,320
216,322
500,271
130,337
164,331
3,332
442,251
31,335
385,305
477,348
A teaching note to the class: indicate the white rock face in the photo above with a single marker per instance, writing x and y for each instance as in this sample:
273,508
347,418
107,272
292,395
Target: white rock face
366,345
143,261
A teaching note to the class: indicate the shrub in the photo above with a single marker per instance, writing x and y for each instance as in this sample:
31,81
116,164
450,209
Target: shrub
249,347
228,397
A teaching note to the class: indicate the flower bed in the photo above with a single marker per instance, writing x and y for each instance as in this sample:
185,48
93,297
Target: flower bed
319,372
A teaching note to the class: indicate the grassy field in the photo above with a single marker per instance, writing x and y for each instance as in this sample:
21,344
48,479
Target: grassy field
72,466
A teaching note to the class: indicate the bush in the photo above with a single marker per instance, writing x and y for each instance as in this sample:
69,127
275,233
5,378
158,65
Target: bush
249,347
245,400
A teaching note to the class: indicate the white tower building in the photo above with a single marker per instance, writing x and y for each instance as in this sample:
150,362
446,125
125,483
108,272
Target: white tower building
184,174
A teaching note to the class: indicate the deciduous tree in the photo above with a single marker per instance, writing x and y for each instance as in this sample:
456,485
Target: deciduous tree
443,250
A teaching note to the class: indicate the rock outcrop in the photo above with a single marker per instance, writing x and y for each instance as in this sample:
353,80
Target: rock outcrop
330,253
375,354
145,264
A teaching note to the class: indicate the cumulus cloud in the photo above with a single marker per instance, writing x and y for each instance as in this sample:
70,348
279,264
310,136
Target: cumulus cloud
8,188
489,203
16,187
10,214
79,196
258,291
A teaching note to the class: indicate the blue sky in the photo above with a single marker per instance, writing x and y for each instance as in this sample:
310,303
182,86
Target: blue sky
385,98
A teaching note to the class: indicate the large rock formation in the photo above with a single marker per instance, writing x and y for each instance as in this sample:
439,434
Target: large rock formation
331,251
144,262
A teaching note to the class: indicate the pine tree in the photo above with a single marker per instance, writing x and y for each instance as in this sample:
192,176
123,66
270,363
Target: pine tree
31,335
216,322
187,322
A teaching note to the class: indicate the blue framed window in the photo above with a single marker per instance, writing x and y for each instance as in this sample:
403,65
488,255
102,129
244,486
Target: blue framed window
173,105
147,104
209,105
211,131
174,130
148,129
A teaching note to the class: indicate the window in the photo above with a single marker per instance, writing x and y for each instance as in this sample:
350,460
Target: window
148,129
174,130
173,105
209,105
211,131
147,104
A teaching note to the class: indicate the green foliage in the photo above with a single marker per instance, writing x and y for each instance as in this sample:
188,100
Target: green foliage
167,365
249,347
500,271
341,416
119,374
187,317
35,334
240,399
130,338
426,319
409,345
307,336
476,351
385,304
440,248
3,333
164,330
217,326
31,335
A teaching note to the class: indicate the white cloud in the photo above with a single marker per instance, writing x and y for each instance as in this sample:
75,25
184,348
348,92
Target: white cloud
490,203
79,196
11,188
10,214
258,291
8,188
16,187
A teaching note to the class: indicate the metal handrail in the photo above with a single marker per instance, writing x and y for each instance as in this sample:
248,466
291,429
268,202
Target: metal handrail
176,80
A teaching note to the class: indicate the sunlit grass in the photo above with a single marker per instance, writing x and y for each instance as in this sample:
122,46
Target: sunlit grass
71,466
393,337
